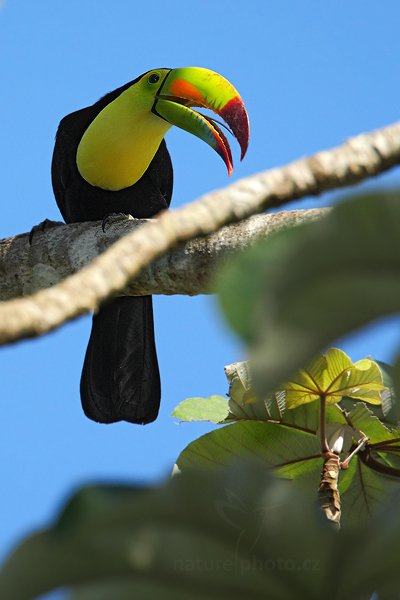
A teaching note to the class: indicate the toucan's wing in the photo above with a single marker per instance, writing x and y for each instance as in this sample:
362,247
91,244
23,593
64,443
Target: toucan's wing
63,167
166,169
59,170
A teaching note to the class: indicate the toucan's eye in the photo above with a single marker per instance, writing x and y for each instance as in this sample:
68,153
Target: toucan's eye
153,78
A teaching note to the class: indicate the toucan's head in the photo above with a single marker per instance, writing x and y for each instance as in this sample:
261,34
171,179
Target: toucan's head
171,94
126,134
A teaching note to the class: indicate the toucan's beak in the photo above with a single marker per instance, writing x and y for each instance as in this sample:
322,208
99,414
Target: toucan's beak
194,86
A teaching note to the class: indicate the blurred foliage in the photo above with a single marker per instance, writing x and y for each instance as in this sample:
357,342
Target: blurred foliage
294,293
235,534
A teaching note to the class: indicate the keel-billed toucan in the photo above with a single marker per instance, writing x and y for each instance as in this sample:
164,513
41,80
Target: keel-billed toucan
111,158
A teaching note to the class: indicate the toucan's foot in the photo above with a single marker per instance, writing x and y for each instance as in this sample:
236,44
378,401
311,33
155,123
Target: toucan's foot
115,218
46,224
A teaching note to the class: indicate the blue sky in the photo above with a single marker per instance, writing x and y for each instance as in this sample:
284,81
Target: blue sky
311,74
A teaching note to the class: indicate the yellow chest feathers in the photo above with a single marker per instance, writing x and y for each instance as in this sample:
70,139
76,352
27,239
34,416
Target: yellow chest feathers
118,146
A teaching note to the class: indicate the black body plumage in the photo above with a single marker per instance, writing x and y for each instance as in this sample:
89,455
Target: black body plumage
120,377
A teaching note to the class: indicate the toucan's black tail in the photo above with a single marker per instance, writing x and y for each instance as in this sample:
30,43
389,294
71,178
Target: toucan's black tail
120,378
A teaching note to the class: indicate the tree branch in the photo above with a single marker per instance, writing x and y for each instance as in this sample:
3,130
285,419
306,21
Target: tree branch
187,269
361,157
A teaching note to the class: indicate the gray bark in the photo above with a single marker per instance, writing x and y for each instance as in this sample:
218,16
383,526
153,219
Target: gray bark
61,251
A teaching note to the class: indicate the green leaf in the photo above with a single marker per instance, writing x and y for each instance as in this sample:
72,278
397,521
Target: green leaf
382,454
291,451
286,441
131,589
363,419
244,404
394,412
387,411
236,534
214,409
371,476
334,376
197,536
364,493
315,283
163,536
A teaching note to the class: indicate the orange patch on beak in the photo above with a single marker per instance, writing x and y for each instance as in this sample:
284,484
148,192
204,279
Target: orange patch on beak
184,89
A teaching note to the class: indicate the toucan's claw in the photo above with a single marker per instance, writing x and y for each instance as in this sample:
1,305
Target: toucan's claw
114,218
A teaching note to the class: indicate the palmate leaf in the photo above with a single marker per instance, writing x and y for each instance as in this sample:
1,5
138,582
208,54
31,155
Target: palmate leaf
283,440
295,454
287,441
387,411
371,476
242,404
334,376
290,448
313,284
214,409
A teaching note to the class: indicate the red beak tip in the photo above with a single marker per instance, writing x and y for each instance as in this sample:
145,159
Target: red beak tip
235,114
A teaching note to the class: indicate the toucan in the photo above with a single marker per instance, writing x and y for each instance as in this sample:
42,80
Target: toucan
111,158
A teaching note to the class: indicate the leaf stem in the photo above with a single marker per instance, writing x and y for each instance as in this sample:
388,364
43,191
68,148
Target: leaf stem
361,444
322,425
